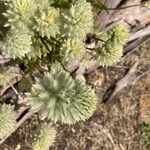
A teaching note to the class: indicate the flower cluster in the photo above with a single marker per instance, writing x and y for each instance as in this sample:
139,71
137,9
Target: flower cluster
17,44
44,138
60,98
72,49
43,33
46,20
20,12
78,20
7,120
111,51
5,76
147,4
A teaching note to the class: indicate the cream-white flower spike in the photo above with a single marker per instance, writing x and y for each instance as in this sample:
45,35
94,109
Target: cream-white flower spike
72,49
47,21
17,44
44,138
19,12
78,20
7,120
61,98
111,51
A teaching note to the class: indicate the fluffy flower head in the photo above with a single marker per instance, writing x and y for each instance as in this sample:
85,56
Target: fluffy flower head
44,138
147,4
5,76
20,12
47,21
17,44
72,49
7,120
78,20
60,98
119,33
111,51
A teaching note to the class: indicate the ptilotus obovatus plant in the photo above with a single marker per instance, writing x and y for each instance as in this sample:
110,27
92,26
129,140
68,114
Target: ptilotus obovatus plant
45,36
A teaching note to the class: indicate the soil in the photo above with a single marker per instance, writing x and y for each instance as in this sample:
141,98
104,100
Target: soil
115,127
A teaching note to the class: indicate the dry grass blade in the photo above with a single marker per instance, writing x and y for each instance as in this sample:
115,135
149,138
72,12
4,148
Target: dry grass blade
106,132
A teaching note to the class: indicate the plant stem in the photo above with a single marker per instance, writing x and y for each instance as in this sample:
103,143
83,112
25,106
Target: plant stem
42,40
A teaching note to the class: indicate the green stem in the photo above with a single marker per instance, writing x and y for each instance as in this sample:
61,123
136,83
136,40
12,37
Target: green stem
44,43
63,66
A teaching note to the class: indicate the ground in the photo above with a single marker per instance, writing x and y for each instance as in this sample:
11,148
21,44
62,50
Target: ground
115,127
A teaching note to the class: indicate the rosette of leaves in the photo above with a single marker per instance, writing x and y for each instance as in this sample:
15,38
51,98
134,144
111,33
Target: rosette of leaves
47,21
17,43
72,49
60,98
44,138
78,20
20,12
112,49
7,120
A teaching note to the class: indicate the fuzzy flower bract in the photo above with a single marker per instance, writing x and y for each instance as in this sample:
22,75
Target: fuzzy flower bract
20,12
112,50
17,44
60,98
47,21
147,4
73,49
5,76
7,120
44,138
78,20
